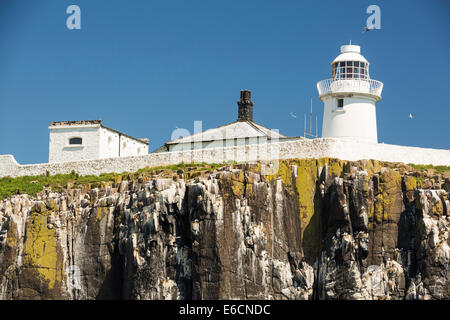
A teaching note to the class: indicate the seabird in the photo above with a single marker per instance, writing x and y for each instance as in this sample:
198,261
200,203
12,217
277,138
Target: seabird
366,29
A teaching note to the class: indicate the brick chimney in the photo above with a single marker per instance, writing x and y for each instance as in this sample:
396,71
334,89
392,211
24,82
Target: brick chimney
245,106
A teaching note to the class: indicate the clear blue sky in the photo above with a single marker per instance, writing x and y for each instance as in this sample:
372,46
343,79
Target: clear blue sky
146,67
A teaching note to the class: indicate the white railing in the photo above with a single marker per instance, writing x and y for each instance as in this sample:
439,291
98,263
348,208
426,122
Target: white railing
367,86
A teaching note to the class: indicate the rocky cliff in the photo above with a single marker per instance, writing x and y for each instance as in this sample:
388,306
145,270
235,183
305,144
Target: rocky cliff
308,229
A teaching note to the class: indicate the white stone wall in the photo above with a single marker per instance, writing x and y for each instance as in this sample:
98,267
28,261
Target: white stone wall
344,149
8,165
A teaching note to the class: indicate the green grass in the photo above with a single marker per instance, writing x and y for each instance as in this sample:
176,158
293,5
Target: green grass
32,185
203,166
437,169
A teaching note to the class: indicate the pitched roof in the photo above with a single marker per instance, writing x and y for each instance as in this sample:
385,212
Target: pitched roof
237,129
89,123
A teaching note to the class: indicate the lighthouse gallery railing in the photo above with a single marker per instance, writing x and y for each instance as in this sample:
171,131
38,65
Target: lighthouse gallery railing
368,86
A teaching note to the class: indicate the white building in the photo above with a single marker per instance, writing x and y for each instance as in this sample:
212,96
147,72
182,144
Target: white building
90,140
349,98
241,132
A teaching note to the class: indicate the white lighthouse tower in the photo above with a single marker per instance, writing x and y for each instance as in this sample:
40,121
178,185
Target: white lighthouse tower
349,98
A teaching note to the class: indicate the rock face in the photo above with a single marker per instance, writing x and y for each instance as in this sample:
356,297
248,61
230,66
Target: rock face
307,229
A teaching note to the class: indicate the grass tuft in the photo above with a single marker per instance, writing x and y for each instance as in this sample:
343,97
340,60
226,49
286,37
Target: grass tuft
437,169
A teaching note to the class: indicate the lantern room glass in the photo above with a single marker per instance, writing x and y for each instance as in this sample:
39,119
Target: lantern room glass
350,70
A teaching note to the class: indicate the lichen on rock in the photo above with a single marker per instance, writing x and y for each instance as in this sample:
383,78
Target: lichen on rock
305,229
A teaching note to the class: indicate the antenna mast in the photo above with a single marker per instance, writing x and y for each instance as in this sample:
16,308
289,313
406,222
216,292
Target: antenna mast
310,120
316,128
304,128
310,134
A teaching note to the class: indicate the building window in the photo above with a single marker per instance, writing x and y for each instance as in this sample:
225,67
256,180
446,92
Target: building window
76,140
340,103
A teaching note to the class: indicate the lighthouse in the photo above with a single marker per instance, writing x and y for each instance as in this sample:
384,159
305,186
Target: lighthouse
349,98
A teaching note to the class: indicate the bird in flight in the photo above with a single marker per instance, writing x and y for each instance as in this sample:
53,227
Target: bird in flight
410,116
293,115
366,29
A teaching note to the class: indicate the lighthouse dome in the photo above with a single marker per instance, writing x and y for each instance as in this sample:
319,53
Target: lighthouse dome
350,52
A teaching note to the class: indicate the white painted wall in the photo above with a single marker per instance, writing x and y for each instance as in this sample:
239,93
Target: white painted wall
109,144
357,119
131,147
61,151
219,143
98,143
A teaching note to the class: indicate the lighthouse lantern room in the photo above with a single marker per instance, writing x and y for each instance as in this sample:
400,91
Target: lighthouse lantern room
349,97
